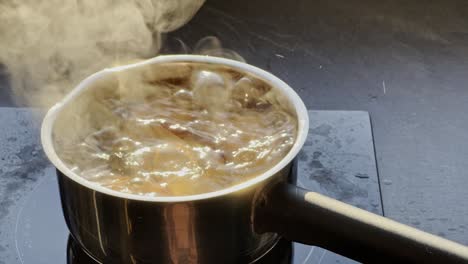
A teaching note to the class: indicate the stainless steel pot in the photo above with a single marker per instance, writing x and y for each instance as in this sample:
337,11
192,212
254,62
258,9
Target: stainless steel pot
233,225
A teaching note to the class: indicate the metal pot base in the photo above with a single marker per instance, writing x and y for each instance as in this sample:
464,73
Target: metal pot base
279,252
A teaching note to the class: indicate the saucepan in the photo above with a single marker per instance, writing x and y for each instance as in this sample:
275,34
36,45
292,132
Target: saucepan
238,224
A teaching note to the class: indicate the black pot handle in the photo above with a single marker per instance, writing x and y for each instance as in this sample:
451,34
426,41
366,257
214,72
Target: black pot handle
310,218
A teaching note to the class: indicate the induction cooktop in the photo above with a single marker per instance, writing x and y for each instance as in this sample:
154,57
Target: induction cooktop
337,160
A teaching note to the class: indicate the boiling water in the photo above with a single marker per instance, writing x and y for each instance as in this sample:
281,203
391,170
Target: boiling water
205,129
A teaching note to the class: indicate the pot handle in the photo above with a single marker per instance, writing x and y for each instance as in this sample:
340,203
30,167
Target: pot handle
311,218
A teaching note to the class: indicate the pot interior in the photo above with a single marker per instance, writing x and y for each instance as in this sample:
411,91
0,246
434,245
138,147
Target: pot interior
84,112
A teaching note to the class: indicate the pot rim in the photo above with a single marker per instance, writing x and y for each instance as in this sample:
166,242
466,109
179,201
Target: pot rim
298,104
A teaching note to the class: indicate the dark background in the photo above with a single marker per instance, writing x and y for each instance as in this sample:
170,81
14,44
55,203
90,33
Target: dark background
406,62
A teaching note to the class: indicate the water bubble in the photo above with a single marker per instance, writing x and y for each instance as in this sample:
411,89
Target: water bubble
209,90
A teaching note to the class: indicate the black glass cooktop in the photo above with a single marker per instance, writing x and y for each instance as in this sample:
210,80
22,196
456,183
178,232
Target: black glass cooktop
337,160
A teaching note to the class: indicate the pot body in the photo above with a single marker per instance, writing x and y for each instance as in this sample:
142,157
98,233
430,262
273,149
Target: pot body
115,227
117,230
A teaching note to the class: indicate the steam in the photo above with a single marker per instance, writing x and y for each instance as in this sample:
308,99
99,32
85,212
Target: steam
212,46
48,46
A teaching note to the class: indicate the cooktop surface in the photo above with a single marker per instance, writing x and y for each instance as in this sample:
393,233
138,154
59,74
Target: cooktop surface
337,160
